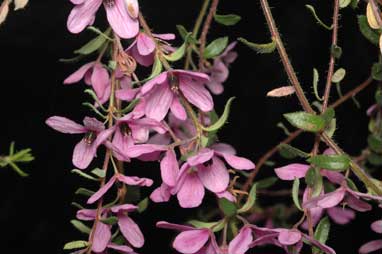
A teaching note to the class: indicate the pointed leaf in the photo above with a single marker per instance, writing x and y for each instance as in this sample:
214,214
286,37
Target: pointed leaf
227,207
91,46
227,20
84,175
216,47
266,183
295,192
215,226
222,120
292,152
306,121
316,78
99,172
322,233
250,200
84,192
265,48
81,226
331,162
142,206
368,32
76,245
318,20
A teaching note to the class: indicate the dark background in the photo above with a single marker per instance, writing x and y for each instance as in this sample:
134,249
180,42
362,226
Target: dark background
35,211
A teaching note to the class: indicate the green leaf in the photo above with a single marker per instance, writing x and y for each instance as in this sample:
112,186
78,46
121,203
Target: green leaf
292,152
331,128
250,200
316,78
222,120
339,75
227,207
328,115
265,48
354,4
216,47
71,60
80,226
322,233
215,226
142,206
183,33
266,183
157,68
295,191
344,3
227,20
84,192
376,71
91,46
99,32
336,51
131,106
318,20
331,162
284,128
99,172
306,121
76,245
178,54
110,221
369,33
84,175
310,177
374,159
375,143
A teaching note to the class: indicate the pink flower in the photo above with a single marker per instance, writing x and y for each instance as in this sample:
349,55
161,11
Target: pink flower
121,14
94,74
128,180
373,245
86,149
163,92
143,48
291,240
219,71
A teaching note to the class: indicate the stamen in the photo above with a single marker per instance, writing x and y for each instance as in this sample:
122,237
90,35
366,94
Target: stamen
125,129
90,137
174,83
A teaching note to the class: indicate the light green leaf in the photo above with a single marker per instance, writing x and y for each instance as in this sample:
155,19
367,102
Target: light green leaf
142,206
344,3
216,47
318,20
99,32
76,245
295,192
322,233
222,120
178,54
91,46
266,183
265,48
227,20
369,33
157,68
227,207
215,226
84,175
306,121
250,200
81,226
183,33
316,78
292,152
376,71
99,172
331,162
339,75
84,192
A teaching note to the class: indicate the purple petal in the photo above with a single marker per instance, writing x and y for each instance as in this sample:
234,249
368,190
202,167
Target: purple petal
161,194
138,150
160,79
99,80
102,191
158,102
326,201
370,247
214,177
240,244
165,37
83,154
189,242
202,156
334,177
102,236
93,124
134,180
178,110
131,231
292,171
65,125
122,143
86,214
289,237
357,204
120,248
169,168
126,94
82,15
223,148
79,74
120,20
227,195
215,87
376,226
321,246
103,136
140,133
341,215
124,208
191,192
196,94
167,225
237,162
196,76
145,44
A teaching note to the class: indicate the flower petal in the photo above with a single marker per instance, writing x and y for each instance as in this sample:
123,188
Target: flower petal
178,110
135,181
321,246
138,150
237,162
83,154
376,226
65,125
357,204
327,200
370,247
86,214
196,94
102,191
158,102
189,242
289,237
292,171
145,44
161,194
82,15
102,236
240,244
120,248
191,192
214,177
79,74
124,208
202,156
99,80
169,168
341,215
93,124
131,231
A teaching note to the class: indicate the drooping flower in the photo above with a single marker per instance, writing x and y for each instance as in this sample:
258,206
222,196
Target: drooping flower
375,245
143,48
219,71
86,149
121,14
164,92
94,74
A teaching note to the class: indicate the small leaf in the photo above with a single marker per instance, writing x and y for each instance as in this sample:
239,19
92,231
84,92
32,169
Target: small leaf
310,177
157,68
216,47
71,60
318,20
344,3
375,143
336,51
81,226
376,71
99,172
142,206
84,175
84,192
281,91
365,29
322,233
110,221
91,46
227,20
306,121
177,54
250,200
99,32
328,115
265,48
183,33
266,183
215,226
227,207
354,4
76,245
284,128
374,159
295,192
331,162
222,120
292,152
316,78
339,75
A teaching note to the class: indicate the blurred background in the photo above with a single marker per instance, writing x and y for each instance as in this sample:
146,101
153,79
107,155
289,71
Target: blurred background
35,211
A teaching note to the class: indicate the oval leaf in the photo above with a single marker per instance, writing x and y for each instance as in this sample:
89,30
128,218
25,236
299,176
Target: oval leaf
339,75
216,47
265,48
227,20
331,162
76,245
306,121
228,208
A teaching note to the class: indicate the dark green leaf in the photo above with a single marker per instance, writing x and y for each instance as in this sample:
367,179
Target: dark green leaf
328,115
376,71
375,159
76,245
369,33
336,51
227,207
84,175
375,143
222,120
110,221
295,192
84,192
216,47
306,121
250,200
265,48
310,177
142,206
227,20
266,183
292,152
322,233
80,226
331,162
184,33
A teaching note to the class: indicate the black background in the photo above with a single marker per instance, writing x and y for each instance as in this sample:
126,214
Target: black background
35,211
